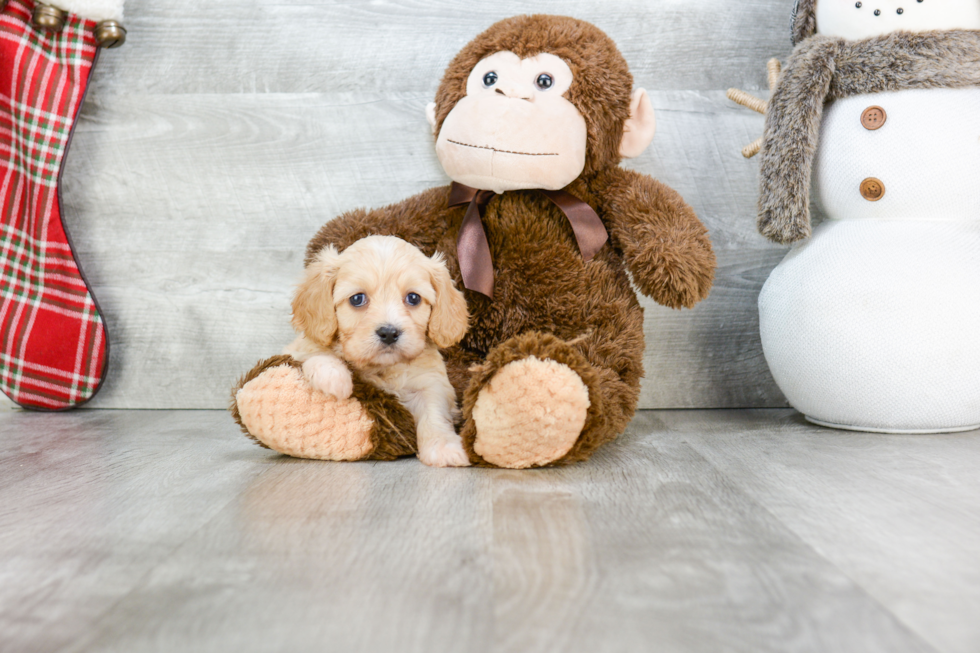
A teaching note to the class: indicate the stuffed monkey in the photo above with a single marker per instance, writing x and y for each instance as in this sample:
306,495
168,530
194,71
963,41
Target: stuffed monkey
544,230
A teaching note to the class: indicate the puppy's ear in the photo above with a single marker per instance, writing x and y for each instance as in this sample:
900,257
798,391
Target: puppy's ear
313,310
449,319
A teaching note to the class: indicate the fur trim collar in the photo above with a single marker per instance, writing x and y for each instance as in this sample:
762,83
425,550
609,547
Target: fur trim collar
97,10
823,69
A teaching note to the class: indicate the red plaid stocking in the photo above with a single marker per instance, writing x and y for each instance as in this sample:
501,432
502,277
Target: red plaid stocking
53,348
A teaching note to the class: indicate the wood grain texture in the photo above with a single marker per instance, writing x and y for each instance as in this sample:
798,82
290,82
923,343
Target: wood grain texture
653,534
899,515
395,46
697,531
214,144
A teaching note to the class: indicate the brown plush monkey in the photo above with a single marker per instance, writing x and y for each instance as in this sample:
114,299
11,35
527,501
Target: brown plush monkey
539,110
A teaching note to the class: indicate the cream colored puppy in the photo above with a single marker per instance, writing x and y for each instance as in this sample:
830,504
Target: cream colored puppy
385,308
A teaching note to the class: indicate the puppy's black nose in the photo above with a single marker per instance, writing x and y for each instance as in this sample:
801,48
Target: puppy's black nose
388,334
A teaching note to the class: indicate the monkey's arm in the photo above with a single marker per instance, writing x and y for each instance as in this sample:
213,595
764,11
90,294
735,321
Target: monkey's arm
421,219
665,246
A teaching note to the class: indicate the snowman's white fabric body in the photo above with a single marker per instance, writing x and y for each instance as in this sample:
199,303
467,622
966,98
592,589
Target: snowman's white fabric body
873,323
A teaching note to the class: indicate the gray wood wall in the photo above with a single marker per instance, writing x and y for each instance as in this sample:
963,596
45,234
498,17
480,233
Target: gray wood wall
222,135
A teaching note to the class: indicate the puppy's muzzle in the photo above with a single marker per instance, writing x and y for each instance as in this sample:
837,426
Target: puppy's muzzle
388,334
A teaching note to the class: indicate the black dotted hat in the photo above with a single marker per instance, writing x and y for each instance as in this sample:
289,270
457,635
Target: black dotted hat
804,20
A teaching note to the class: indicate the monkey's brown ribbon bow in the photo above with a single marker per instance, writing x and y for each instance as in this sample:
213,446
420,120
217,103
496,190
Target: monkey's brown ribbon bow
473,249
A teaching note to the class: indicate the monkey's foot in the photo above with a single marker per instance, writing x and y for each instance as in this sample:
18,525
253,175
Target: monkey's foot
282,411
531,413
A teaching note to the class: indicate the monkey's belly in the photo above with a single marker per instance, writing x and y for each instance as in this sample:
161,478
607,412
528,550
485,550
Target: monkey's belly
875,325
550,289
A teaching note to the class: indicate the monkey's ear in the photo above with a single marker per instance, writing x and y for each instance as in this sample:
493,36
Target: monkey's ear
430,115
449,318
313,310
640,127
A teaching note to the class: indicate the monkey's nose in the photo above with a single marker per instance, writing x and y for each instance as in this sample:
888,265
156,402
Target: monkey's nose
388,334
514,93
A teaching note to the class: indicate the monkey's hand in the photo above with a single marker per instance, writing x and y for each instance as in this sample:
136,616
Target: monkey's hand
676,269
665,246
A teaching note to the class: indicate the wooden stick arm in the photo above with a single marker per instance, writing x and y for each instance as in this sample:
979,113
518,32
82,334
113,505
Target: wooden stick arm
752,148
750,101
773,70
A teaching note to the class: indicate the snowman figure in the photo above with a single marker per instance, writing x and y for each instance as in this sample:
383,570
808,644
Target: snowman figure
872,321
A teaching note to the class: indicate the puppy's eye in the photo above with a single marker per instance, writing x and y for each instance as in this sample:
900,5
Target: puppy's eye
360,299
490,79
544,81
412,299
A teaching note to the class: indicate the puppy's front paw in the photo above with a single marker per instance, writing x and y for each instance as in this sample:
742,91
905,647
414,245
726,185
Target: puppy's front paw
329,375
444,453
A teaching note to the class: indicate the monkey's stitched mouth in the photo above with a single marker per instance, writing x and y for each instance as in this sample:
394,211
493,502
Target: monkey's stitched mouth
487,147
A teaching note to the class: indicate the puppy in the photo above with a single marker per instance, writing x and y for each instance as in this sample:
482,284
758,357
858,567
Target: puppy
385,308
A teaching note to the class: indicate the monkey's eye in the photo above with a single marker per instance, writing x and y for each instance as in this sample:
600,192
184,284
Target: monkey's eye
490,79
544,81
412,299
358,300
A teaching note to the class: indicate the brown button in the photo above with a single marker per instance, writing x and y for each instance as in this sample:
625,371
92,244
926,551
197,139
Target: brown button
873,118
872,189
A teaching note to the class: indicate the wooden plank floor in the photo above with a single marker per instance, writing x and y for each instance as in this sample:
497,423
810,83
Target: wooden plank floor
697,531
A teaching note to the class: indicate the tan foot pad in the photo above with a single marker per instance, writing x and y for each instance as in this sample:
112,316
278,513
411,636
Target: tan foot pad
286,414
531,413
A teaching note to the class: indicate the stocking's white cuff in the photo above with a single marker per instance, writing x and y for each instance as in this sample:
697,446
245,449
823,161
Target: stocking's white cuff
97,10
